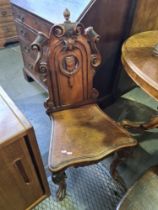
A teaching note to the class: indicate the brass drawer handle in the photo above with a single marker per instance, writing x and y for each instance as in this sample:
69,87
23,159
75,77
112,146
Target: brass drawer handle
20,167
4,13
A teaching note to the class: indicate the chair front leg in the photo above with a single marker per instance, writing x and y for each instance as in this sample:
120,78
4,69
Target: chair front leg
59,179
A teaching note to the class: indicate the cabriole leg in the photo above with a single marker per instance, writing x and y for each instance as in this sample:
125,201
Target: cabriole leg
59,179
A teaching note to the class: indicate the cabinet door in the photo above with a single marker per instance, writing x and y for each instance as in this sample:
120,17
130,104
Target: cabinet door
19,184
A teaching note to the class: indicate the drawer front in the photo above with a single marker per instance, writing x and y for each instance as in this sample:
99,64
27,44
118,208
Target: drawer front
5,14
18,177
32,21
2,2
7,30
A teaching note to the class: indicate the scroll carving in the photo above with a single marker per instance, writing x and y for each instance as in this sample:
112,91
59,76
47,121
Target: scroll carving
72,49
37,46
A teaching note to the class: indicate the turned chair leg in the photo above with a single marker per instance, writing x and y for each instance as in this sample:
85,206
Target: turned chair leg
59,179
120,156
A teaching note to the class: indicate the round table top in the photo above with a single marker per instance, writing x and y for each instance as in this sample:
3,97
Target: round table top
140,62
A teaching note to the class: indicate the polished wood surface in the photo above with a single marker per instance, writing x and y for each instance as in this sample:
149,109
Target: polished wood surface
81,133
141,64
143,195
22,177
139,61
7,25
84,134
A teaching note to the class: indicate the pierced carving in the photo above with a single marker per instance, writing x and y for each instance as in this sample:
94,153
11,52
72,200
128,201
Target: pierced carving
37,45
73,56
93,38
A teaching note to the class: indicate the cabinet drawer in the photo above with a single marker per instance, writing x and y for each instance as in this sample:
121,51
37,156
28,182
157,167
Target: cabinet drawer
32,21
18,178
7,30
2,2
5,14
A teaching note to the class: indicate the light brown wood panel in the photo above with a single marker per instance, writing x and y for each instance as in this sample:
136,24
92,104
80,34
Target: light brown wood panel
5,13
18,179
7,27
22,177
146,17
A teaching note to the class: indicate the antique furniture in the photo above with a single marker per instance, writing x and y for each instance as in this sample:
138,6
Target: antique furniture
23,183
81,133
7,26
140,60
111,19
143,195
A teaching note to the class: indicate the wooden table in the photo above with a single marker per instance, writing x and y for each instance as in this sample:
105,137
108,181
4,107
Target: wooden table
141,64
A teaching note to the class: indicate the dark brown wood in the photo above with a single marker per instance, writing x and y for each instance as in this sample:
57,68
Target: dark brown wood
81,134
59,179
109,18
143,194
152,123
141,64
7,25
22,175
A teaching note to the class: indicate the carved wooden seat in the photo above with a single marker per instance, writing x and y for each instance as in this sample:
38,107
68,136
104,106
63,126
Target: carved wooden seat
143,195
81,133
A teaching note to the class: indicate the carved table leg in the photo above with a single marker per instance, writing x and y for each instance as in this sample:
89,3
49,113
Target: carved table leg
59,179
120,156
152,123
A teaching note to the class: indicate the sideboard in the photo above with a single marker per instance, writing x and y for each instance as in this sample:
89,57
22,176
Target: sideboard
23,182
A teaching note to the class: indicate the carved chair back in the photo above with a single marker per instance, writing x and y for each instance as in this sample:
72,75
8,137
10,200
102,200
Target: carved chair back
72,59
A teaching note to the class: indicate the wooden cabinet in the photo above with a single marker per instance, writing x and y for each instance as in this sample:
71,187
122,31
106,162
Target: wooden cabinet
23,183
7,25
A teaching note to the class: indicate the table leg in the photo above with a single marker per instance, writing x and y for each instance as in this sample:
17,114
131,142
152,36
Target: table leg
152,123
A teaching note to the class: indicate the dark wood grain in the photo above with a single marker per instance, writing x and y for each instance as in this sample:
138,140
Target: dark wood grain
81,134
7,25
84,135
145,18
140,62
109,18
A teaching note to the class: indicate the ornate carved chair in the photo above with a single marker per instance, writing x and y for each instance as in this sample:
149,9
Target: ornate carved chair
81,133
